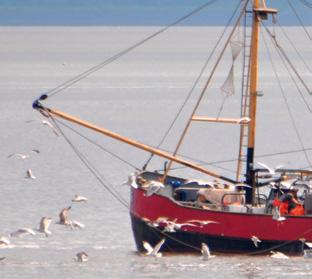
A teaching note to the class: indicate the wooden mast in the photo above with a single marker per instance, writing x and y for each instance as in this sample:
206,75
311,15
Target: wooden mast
259,13
47,111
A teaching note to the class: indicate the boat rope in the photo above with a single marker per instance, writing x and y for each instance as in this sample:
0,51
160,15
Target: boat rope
286,58
203,91
306,3
104,182
294,47
99,66
89,166
195,84
298,17
97,144
285,100
282,244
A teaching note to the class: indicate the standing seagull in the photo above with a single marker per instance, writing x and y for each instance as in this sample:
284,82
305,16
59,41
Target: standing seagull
22,232
132,180
4,241
82,257
206,252
153,251
29,174
78,198
64,219
278,255
44,225
152,187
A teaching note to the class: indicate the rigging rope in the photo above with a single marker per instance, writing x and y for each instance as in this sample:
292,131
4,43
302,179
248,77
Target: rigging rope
286,58
195,83
89,166
284,95
306,3
99,66
98,145
104,182
293,45
299,19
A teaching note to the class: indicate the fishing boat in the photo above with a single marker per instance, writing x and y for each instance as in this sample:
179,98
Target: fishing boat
240,213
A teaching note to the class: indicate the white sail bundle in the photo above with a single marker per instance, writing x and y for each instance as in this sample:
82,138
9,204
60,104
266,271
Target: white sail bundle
228,86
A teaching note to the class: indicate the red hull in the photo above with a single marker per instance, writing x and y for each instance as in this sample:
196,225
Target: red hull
231,226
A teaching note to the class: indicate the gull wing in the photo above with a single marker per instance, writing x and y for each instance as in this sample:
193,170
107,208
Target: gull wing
147,247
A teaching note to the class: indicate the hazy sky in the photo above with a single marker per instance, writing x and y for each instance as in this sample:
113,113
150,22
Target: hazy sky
136,12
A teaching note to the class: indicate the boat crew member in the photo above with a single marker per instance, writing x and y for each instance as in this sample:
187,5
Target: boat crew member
289,203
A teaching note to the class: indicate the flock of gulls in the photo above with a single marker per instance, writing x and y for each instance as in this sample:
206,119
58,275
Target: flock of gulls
150,187
165,225
45,222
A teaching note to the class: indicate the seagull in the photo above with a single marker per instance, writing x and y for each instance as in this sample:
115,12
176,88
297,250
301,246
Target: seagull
271,171
44,225
199,182
243,120
153,251
23,156
278,255
132,180
82,257
277,215
206,252
172,226
202,222
47,123
22,232
64,220
29,174
75,224
4,241
151,187
78,198
255,240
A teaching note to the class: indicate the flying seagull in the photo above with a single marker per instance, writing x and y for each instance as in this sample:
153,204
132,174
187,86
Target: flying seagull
29,174
153,251
22,232
78,198
277,215
206,252
46,123
23,156
82,257
255,240
44,225
271,171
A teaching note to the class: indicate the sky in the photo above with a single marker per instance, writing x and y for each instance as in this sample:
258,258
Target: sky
136,12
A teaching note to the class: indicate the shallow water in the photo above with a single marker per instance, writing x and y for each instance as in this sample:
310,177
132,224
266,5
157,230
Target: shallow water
125,97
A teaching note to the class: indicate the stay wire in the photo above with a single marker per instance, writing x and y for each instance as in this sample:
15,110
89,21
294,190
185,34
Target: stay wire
99,66
286,58
107,185
195,83
98,145
294,47
89,166
285,98
306,3
299,19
